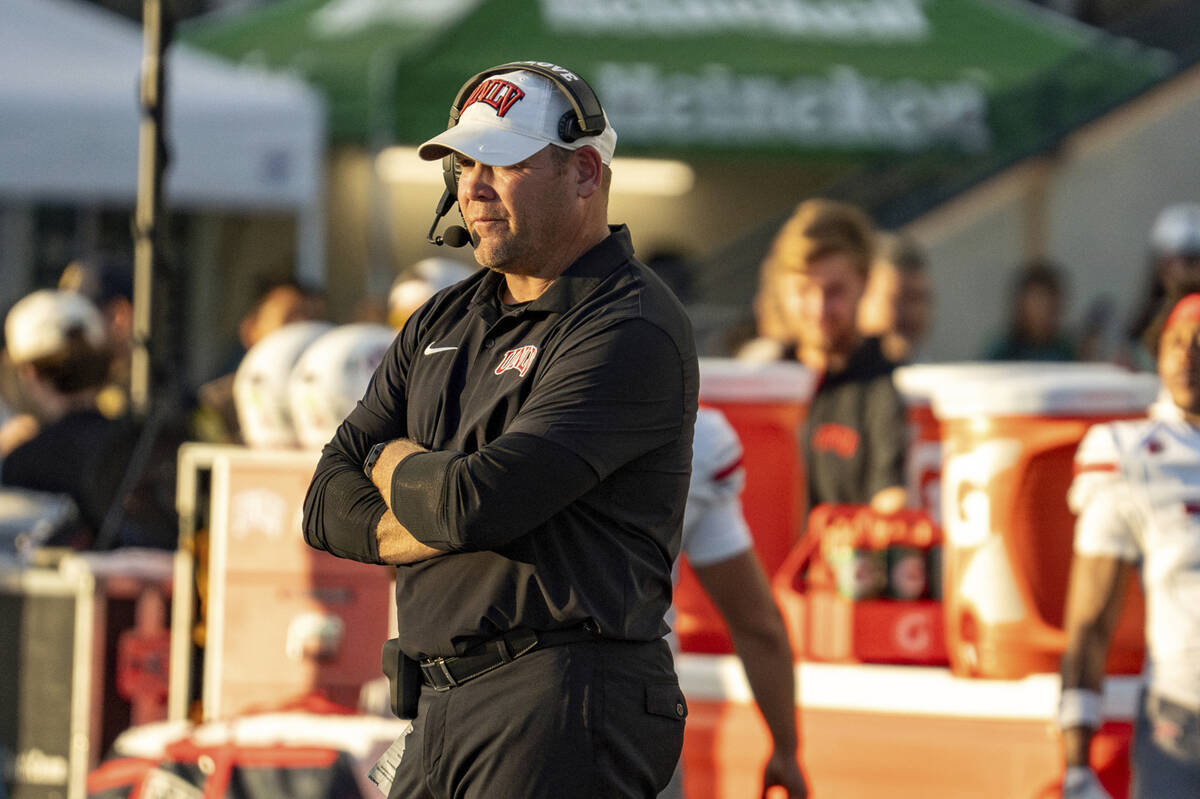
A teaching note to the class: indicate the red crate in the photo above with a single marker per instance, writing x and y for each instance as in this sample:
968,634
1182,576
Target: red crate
825,625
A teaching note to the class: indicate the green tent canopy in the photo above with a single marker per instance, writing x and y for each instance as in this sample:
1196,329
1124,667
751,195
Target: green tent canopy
710,77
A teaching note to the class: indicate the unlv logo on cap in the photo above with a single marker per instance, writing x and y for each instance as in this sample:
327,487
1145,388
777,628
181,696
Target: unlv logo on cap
518,359
499,94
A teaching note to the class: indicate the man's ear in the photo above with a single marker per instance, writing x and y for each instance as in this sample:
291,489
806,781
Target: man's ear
589,171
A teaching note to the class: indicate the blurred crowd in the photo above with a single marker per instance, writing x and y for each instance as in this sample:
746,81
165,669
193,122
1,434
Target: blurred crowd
849,302
845,299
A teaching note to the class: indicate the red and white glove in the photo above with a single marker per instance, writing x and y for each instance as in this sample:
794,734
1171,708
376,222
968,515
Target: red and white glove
1080,782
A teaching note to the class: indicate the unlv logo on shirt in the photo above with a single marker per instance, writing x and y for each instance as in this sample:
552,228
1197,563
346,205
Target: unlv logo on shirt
836,438
518,359
499,94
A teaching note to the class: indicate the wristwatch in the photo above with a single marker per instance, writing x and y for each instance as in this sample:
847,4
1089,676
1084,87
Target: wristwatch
372,457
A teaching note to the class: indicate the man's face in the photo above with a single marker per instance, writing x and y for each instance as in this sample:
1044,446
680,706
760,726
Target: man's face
1179,364
820,303
516,214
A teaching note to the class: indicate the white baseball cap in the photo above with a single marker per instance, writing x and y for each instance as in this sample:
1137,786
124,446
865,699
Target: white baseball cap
1176,231
40,324
508,118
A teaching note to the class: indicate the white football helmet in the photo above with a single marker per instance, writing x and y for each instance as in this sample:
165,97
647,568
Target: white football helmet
426,277
332,376
260,386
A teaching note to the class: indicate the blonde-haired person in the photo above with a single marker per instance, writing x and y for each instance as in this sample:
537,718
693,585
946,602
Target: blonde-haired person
815,274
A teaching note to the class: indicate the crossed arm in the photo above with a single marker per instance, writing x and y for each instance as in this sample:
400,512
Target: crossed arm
396,544
420,503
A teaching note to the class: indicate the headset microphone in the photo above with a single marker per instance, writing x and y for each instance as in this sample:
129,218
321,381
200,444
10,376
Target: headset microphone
455,235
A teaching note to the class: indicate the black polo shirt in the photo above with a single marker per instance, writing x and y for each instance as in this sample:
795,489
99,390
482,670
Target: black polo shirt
560,434
855,436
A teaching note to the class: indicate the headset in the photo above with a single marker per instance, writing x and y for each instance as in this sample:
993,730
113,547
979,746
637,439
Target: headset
585,118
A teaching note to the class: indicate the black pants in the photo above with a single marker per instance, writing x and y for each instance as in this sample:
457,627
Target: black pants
591,719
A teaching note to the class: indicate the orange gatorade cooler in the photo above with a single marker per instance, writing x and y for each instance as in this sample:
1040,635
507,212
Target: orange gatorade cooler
766,403
917,384
1009,445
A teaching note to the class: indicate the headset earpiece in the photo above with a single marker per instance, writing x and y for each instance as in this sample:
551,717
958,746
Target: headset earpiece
450,173
568,127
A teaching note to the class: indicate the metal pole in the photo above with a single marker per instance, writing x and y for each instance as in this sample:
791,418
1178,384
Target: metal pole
152,156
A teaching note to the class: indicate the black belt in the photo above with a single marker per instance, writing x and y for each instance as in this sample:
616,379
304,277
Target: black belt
444,673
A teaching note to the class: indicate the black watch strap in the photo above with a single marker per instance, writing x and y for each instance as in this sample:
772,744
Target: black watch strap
372,457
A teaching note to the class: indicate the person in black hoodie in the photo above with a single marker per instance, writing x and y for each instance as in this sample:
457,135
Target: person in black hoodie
853,441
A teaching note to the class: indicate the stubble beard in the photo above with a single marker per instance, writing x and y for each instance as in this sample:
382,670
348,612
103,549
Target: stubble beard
497,253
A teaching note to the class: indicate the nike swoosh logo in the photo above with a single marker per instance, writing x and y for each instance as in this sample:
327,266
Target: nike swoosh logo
430,349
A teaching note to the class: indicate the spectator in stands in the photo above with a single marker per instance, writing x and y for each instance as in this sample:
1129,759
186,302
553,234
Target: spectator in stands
58,343
276,304
898,301
1035,319
1174,261
813,277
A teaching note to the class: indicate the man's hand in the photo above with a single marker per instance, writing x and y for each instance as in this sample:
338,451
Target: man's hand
389,459
1081,782
396,544
783,770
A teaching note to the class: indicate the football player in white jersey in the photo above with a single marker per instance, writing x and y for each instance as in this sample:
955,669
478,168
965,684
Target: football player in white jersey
1137,494
719,549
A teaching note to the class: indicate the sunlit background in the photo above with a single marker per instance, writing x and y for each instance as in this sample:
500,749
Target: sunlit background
993,132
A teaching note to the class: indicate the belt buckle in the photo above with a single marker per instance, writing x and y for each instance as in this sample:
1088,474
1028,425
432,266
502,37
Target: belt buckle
440,663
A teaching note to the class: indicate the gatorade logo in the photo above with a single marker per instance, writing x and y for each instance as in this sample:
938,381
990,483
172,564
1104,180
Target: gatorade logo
913,633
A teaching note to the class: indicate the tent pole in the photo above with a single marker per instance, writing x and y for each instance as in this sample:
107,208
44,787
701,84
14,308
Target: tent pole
152,158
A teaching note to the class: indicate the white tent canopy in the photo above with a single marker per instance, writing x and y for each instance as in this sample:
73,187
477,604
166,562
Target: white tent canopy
239,138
